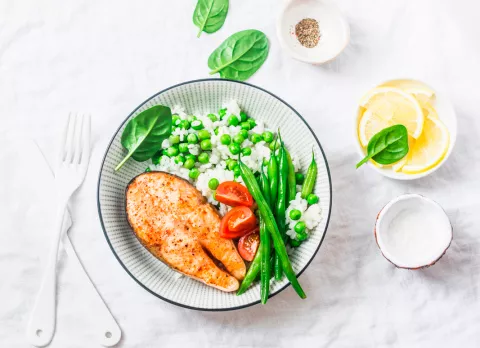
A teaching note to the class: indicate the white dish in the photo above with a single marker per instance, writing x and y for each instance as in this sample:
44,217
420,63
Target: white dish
404,241
334,30
446,114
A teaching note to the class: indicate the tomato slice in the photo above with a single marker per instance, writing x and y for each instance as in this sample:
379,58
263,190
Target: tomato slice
233,194
237,222
248,245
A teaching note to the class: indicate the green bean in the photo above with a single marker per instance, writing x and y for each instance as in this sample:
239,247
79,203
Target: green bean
281,200
310,178
272,172
292,182
252,273
265,186
265,247
271,226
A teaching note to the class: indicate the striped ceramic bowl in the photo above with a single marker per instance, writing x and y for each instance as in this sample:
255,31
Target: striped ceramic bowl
202,96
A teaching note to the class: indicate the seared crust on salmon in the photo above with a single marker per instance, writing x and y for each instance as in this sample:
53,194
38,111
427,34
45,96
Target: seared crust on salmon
175,223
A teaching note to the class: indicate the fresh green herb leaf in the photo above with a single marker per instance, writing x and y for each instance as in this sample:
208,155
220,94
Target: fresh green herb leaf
209,15
387,146
144,134
239,56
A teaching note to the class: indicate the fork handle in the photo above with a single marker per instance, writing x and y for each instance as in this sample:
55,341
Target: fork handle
41,326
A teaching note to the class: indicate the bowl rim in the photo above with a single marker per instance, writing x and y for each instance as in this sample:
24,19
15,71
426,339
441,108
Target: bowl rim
105,231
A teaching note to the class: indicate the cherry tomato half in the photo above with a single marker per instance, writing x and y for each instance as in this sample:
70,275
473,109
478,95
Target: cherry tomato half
248,245
237,222
233,194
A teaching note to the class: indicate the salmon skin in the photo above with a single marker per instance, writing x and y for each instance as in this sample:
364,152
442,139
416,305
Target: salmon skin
176,224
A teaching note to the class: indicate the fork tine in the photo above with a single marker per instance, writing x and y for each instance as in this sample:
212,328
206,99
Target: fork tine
86,140
70,142
63,143
78,139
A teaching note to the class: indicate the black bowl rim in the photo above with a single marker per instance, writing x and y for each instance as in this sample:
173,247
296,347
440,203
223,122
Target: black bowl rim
120,261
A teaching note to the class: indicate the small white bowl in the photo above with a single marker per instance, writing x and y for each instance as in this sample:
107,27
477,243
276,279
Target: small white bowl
400,215
334,30
446,114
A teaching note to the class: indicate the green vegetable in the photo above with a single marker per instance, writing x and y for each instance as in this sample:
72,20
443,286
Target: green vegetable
265,247
252,123
222,113
204,134
238,138
267,136
295,243
243,133
203,158
246,151
184,124
192,138
299,178
215,131
209,15
251,273
387,146
301,236
213,184
236,171
212,117
272,172
256,138
191,118
144,133
310,178
192,157
300,227
232,164
245,125
180,159
234,148
295,214
271,226
225,139
243,116
147,170
172,151
175,118
157,157
282,197
183,147
232,120
239,56
206,145
174,139
194,173
291,182
312,199
265,187
189,163
274,145
197,125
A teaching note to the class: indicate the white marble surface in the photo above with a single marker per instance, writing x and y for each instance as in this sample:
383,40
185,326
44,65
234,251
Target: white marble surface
106,57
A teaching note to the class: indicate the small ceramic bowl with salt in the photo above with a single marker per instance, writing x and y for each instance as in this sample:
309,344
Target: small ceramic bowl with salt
300,21
413,231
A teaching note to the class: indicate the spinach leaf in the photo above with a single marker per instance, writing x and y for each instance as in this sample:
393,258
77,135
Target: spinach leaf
209,15
239,56
144,134
387,146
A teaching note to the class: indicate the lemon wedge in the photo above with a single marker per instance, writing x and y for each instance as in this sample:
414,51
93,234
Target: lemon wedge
429,149
383,107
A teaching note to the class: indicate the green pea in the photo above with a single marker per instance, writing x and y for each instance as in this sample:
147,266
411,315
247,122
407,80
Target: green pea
197,125
301,236
212,117
265,162
299,178
232,120
213,184
300,227
225,139
255,138
206,145
243,116
295,214
295,243
236,171
267,136
234,148
194,173
191,118
246,151
312,199
245,125
215,131
179,159
184,124
183,147
192,157
174,139
238,139
203,158
147,170
175,118
243,133
222,113
252,123
189,163
274,145
172,151
204,134
192,138
232,164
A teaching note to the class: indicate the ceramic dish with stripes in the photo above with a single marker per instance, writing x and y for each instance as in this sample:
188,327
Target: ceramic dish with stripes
202,96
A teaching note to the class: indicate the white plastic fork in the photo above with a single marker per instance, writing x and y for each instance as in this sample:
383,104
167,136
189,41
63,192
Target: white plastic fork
69,175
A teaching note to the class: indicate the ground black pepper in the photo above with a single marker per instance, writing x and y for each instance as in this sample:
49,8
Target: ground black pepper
308,32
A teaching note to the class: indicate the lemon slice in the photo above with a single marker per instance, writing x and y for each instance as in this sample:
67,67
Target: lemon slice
386,106
429,110
429,149
397,166
419,90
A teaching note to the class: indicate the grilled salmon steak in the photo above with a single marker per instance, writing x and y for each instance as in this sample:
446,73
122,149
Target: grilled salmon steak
175,223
